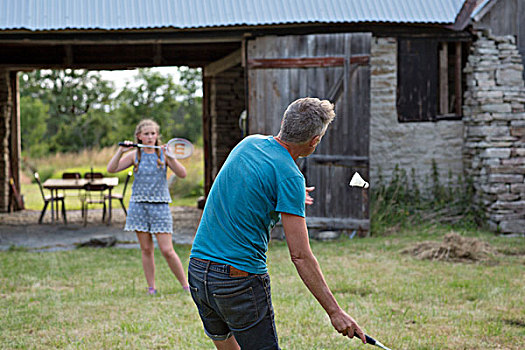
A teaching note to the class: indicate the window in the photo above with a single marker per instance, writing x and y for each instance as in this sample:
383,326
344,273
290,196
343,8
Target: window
430,81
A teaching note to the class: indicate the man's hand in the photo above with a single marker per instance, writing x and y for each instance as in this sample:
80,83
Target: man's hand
346,325
309,200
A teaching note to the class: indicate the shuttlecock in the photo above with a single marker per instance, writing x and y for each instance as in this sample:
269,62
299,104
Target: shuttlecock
357,181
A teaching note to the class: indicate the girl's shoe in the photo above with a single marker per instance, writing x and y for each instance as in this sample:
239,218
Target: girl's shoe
152,291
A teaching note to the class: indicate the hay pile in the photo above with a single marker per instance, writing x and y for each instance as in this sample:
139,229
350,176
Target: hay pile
454,248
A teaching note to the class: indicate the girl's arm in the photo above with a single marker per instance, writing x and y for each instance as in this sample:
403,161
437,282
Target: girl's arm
119,163
175,166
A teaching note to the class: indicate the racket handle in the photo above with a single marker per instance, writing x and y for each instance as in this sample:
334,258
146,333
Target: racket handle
369,339
128,145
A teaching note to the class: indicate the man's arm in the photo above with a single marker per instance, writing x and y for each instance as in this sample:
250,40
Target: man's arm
310,272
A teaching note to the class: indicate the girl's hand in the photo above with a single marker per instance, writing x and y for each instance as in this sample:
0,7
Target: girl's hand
164,149
125,147
178,169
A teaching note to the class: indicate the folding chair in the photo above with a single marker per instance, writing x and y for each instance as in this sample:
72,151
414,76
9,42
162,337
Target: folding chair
94,195
92,175
75,176
50,199
71,175
119,196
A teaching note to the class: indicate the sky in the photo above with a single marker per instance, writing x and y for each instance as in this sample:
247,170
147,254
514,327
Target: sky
119,77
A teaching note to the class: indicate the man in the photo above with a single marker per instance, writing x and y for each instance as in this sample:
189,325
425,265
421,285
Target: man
258,183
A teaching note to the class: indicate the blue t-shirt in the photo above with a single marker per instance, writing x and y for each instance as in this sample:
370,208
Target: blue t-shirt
258,181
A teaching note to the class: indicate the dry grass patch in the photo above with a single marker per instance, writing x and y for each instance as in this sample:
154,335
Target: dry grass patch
454,247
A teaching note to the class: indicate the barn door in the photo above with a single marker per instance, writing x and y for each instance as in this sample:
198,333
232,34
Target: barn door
328,66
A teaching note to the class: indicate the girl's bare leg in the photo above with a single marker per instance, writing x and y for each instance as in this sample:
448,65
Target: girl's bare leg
148,258
166,248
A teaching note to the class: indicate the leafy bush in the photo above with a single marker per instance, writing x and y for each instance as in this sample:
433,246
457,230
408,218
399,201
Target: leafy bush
401,203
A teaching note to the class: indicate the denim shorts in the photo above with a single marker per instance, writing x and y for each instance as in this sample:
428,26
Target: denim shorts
149,217
239,306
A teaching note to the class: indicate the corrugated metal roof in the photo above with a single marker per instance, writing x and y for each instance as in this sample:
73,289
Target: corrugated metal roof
40,15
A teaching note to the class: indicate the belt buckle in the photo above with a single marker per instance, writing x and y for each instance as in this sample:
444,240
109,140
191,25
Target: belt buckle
234,272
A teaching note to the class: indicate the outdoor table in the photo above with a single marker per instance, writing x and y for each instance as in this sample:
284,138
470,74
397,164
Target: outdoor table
74,184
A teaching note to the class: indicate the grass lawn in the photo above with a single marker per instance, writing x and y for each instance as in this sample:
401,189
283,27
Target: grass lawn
96,299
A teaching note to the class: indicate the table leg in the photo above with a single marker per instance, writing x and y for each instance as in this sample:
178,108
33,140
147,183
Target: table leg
109,205
53,203
57,208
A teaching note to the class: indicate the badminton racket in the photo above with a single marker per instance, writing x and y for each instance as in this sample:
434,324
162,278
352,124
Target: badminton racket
178,148
372,341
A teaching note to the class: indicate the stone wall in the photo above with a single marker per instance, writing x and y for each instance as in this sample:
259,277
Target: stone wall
494,118
407,145
5,117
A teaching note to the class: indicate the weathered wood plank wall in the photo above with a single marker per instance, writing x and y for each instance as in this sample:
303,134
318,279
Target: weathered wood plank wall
327,66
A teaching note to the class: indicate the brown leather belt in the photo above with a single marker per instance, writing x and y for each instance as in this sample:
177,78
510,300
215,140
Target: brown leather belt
234,272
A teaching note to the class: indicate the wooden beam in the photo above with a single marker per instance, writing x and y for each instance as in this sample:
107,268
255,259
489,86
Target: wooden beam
157,59
305,62
223,64
443,78
20,57
458,79
120,38
5,129
339,160
98,66
337,223
463,17
206,131
68,57
486,8
225,34
15,145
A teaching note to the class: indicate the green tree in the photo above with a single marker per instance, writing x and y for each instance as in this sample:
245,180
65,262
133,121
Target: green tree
33,122
191,102
84,111
175,107
73,98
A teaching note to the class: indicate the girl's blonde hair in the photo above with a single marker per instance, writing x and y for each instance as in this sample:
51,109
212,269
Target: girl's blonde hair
140,126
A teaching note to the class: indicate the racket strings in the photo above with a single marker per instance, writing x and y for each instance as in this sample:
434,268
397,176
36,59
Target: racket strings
179,148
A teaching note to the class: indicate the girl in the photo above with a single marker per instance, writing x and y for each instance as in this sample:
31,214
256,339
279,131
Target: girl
149,211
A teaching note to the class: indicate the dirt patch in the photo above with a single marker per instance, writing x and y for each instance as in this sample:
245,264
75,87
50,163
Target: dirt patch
21,229
454,248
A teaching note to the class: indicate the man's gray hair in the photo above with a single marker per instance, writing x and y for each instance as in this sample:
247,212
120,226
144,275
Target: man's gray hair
305,118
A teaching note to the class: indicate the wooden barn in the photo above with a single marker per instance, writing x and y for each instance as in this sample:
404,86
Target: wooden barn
406,77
